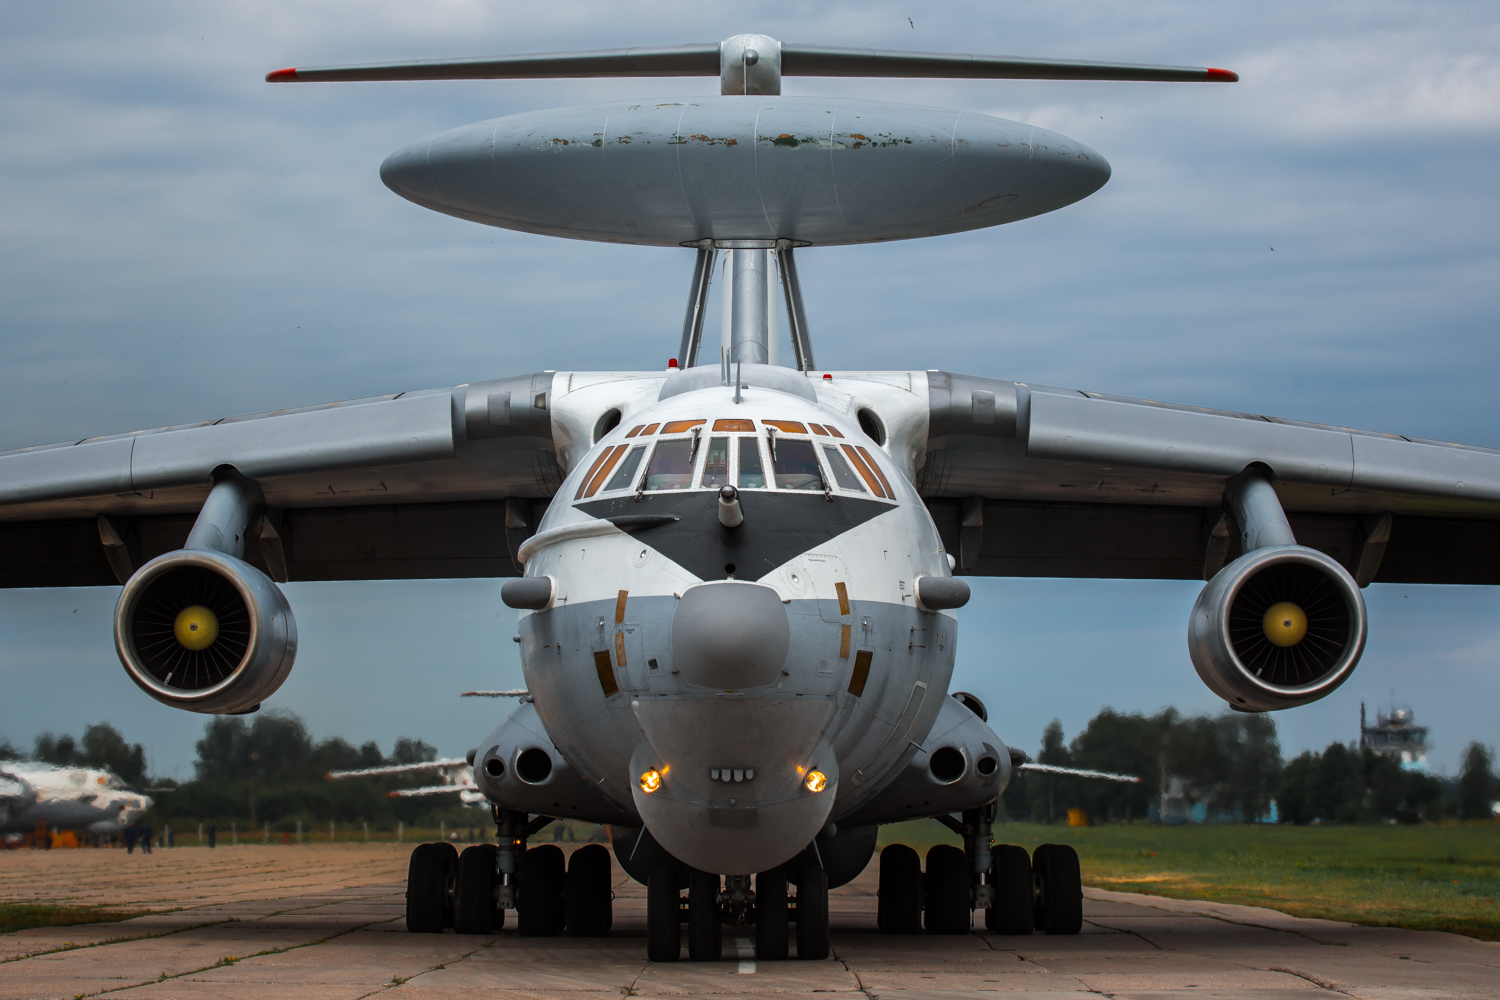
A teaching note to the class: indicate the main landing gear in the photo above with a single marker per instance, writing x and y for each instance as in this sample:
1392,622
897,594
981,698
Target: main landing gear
1018,893
472,891
709,905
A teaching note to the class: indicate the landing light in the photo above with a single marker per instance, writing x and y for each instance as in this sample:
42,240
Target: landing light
650,781
816,781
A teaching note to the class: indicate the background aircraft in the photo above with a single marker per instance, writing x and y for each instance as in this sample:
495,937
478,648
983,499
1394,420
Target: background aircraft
65,798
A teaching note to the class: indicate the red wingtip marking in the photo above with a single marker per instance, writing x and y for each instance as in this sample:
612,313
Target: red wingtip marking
1221,75
290,75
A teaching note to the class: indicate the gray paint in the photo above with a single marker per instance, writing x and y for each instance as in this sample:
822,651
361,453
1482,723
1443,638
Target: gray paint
675,171
730,635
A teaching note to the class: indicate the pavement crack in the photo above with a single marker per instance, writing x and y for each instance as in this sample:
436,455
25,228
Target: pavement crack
1317,981
70,946
234,959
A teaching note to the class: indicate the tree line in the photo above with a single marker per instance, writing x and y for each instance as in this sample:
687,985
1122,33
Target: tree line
1231,767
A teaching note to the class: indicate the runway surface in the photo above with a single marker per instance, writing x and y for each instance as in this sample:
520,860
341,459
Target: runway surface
326,921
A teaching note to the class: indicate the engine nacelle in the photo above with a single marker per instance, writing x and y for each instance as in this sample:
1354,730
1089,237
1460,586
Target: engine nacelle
206,632
1277,628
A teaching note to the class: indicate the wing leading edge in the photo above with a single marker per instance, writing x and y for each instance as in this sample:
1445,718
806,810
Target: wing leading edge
1030,480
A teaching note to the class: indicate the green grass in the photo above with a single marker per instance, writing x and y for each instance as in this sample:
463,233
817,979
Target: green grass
1443,877
20,916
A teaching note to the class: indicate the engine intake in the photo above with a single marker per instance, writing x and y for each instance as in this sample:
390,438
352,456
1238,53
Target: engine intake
203,631
1279,627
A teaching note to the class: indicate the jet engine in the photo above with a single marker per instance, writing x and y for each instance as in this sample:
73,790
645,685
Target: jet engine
206,632
1282,625
201,629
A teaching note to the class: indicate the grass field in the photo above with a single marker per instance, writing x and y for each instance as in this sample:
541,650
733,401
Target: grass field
1430,877
20,916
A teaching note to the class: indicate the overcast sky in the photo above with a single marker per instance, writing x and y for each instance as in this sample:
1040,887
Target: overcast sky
180,241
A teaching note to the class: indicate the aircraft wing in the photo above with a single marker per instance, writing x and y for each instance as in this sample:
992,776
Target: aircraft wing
434,483
1028,480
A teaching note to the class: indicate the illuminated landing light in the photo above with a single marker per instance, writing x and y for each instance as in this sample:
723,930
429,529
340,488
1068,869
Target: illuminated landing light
1284,623
816,781
650,781
196,627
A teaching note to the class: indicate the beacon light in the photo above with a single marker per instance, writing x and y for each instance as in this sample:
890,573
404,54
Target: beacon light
816,781
650,781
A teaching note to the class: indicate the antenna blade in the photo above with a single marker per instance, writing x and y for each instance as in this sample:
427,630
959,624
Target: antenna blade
676,60
816,60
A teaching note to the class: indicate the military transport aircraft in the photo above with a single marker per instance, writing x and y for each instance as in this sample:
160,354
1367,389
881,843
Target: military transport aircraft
736,579
65,798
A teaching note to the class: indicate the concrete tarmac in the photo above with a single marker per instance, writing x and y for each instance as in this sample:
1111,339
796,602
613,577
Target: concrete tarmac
326,921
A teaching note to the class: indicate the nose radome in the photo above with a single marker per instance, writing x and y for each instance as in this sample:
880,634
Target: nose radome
408,173
730,635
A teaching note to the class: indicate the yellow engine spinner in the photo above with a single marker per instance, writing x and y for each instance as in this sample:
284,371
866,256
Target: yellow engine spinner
196,627
1285,623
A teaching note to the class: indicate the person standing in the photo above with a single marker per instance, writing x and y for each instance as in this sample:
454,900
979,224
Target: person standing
130,834
146,834
213,834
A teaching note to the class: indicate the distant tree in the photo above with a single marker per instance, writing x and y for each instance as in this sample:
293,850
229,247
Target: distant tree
8,750
1123,744
1476,782
410,751
104,747
58,750
1042,789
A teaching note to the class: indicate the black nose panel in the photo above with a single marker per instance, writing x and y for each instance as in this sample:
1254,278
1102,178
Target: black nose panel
730,635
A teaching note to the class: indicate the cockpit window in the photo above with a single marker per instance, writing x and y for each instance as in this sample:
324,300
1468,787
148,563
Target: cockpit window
716,464
671,465
842,474
796,465
752,471
624,477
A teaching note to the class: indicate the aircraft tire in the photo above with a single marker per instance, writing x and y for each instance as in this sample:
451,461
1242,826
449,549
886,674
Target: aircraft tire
705,940
663,915
947,883
812,914
475,910
899,909
586,899
429,888
1059,889
771,919
1012,909
539,906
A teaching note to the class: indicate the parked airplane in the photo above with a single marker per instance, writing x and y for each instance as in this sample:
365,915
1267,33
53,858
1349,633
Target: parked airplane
65,798
737,580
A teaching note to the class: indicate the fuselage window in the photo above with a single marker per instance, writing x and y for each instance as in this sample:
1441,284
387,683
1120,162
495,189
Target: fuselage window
671,466
842,474
752,472
796,465
624,477
716,465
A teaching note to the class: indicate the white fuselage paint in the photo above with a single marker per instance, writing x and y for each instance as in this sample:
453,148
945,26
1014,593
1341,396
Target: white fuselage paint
66,798
811,715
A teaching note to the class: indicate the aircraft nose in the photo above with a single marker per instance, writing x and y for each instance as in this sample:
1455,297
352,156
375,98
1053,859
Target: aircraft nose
408,172
730,635
1065,170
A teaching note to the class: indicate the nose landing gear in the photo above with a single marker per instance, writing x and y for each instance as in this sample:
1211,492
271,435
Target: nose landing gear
708,908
